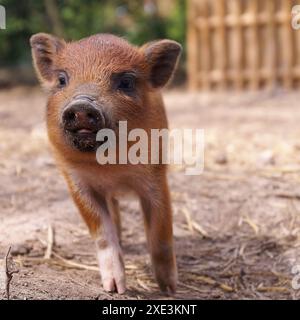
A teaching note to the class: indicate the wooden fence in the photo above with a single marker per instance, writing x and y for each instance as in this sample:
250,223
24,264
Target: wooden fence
243,44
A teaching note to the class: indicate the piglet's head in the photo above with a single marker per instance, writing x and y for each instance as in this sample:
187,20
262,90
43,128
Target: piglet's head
98,81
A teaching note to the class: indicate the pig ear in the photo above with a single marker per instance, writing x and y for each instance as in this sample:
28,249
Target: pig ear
162,56
44,49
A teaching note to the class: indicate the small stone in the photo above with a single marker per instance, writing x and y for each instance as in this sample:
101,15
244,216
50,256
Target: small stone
69,256
221,158
266,158
20,249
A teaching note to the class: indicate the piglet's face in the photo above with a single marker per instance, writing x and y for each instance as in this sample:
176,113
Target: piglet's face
98,81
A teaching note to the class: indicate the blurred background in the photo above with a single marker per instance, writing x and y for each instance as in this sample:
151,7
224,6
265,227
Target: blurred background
241,44
138,21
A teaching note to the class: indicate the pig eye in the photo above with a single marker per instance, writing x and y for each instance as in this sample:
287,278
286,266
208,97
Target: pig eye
126,83
62,79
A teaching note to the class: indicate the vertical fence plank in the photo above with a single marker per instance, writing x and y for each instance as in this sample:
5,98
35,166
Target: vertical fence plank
254,46
296,67
271,44
238,44
205,55
192,42
287,42
221,43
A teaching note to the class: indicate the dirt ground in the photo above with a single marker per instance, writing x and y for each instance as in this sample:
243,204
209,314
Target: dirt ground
237,226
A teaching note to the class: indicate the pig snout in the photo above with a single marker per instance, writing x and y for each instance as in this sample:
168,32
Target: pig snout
82,116
81,119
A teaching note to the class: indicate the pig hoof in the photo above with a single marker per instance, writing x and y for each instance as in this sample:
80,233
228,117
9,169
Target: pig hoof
169,289
113,285
112,270
168,284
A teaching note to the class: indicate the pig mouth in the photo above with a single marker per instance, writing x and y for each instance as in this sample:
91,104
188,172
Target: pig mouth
82,138
81,119
83,131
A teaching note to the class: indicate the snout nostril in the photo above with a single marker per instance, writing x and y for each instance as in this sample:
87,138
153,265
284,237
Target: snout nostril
93,117
90,115
69,116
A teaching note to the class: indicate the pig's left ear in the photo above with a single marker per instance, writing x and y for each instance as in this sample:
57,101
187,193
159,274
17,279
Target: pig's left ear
162,57
44,49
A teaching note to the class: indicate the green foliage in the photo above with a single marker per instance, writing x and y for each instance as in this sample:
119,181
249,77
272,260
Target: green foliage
126,18
177,23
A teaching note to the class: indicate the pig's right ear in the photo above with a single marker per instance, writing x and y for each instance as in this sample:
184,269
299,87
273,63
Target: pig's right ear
44,49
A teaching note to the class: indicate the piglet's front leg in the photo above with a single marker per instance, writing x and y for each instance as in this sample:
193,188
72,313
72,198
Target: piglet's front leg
95,211
110,256
159,231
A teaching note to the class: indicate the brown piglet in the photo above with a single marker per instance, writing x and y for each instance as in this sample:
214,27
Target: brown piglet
95,83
